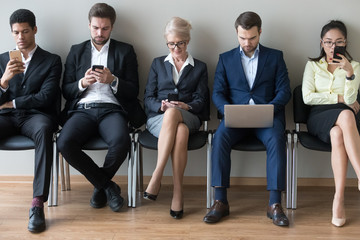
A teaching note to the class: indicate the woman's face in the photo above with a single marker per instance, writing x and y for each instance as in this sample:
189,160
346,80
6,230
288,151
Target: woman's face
177,46
331,38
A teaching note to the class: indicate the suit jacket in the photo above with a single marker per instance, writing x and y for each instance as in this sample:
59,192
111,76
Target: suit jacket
38,91
122,63
192,87
271,85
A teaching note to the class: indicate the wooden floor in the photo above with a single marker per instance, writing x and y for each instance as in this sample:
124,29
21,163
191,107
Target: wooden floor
75,219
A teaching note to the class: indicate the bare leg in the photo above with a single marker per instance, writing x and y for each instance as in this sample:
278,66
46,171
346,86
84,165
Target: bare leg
346,121
179,160
172,118
339,162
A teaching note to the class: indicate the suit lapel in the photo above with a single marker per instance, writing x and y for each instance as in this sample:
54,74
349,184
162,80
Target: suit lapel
35,61
168,68
185,72
238,65
263,54
111,57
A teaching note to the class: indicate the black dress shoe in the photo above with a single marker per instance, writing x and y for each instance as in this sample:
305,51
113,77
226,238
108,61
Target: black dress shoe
36,220
276,213
149,196
114,200
217,211
98,199
177,214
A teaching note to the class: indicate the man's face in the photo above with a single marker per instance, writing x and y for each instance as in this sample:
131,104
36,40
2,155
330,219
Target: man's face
248,39
24,35
100,29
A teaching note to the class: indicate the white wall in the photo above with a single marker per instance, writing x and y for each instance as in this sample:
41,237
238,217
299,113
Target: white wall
291,26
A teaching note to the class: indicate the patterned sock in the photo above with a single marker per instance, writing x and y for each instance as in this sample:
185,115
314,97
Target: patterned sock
221,194
37,202
275,197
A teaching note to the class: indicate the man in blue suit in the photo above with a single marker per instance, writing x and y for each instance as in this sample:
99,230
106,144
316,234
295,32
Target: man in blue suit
250,74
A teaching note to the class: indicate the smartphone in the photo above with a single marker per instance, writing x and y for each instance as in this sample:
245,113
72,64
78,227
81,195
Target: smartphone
15,54
338,49
173,97
94,67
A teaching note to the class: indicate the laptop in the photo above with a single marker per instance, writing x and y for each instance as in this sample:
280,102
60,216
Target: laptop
249,116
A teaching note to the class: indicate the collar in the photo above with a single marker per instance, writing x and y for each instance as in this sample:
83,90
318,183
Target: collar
104,48
256,53
31,53
189,60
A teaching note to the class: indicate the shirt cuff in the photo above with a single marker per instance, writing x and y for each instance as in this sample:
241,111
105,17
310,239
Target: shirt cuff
80,86
13,101
4,89
114,84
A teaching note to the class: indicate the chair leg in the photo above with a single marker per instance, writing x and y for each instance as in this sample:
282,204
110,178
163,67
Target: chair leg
288,170
62,175
130,163
50,198
209,192
134,169
55,175
294,172
67,176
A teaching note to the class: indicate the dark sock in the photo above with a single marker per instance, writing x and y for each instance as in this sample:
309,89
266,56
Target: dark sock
37,202
221,194
275,197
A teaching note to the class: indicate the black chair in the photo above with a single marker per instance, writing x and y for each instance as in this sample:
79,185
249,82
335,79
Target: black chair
95,144
21,143
301,113
253,144
146,140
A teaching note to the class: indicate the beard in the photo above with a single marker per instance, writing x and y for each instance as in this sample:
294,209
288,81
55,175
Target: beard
99,40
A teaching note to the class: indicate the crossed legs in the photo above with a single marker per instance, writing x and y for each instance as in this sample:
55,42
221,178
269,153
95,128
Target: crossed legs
173,141
345,140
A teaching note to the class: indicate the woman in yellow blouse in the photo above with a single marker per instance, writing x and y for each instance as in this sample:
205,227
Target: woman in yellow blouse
331,88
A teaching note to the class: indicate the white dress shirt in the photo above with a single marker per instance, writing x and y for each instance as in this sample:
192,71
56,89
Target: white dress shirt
175,73
99,92
250,65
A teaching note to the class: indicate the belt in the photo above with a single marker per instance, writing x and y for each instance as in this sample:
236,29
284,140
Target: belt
97,105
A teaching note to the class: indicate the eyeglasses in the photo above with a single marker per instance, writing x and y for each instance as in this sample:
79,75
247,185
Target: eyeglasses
172,45
329,44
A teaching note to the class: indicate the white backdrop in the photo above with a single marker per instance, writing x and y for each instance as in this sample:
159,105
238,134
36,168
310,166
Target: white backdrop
291,26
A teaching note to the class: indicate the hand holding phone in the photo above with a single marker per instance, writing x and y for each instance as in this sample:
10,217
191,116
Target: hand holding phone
15,54
338,49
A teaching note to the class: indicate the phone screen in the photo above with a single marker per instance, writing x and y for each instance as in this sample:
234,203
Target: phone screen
15,54
338,49
94,67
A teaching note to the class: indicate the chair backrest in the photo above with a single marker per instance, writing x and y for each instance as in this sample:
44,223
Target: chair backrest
301,110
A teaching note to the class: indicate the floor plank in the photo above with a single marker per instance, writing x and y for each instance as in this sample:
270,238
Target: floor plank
75,219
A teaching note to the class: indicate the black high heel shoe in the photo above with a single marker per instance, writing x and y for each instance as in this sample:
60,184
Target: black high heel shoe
177,214
151,197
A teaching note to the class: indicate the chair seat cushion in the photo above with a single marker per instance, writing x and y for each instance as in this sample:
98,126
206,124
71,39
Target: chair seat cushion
17,142
311,142
196,140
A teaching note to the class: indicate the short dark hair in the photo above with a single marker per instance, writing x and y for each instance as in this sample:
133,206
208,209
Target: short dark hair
23,16
102,10
248,20
333,24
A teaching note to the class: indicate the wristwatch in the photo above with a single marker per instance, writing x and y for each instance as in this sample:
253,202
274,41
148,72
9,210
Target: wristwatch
352,77
114,82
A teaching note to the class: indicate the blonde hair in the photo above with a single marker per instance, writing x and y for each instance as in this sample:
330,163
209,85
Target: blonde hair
178,27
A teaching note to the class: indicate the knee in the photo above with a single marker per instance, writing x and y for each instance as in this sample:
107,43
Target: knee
346,119
172,115
336,136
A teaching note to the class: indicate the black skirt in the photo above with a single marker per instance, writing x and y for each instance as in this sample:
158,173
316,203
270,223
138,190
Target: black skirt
322,118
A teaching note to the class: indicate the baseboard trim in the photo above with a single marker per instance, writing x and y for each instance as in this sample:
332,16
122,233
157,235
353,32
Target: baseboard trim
196,180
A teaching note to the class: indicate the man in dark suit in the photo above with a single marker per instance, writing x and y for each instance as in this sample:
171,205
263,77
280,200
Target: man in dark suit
250,74
29,90
98,100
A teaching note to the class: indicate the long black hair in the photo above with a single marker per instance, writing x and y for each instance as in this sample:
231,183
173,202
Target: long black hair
333,24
